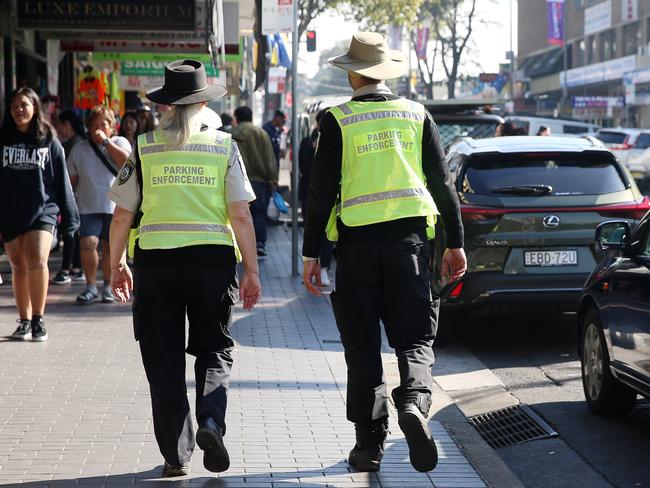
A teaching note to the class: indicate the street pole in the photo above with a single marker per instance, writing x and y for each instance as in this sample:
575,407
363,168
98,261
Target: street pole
565,89
294,142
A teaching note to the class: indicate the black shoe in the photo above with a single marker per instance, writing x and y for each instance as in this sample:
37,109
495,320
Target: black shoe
261,251
367,452
209,438
170,470
62,277
24,330
422,449
39,334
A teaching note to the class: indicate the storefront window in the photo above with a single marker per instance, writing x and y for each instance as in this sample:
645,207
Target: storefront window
608,45
631,38
580,50
592,53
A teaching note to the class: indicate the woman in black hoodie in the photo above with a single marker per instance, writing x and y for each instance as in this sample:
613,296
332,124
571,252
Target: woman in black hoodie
34,188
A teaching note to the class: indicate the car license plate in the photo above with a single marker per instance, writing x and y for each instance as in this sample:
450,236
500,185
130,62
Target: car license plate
550,258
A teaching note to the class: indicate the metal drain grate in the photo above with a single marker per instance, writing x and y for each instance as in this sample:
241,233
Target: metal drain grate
512,425
331,341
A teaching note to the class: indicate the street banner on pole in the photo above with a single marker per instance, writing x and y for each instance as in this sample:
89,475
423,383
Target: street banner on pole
277,16
555,22
421,42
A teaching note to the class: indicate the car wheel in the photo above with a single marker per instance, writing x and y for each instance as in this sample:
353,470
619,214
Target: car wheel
604,393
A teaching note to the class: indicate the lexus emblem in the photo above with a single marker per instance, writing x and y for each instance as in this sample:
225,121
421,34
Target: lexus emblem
551,221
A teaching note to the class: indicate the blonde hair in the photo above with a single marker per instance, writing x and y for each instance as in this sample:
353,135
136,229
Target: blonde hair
101,111
179,123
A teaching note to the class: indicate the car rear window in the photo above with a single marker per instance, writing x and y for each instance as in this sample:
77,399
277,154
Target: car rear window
642,142
566,174
611,137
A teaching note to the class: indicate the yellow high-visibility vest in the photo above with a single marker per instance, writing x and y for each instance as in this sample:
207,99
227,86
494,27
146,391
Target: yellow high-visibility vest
381,172
183,192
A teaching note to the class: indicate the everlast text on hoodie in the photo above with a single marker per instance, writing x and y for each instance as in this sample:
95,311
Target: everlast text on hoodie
34,184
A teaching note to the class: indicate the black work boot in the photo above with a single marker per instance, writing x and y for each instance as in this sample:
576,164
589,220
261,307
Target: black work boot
369,449
209,437
412,418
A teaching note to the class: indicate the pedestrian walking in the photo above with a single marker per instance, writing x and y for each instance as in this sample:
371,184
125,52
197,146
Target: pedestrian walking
34,189
227,122
257,153
275,128
378,181
129,127
305,159
93,166
184,263
71,131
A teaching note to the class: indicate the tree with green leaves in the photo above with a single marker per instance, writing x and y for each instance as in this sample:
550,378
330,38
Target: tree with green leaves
377,15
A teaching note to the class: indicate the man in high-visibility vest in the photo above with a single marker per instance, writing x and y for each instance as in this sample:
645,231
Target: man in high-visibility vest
379,180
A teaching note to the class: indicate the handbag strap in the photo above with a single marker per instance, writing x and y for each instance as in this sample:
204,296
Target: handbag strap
102,158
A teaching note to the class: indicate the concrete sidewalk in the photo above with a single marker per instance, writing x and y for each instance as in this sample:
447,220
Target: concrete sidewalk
76,411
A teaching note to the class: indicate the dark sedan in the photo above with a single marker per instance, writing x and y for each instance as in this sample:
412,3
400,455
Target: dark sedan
614,320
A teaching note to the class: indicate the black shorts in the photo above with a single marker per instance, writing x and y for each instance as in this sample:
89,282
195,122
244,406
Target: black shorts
38,225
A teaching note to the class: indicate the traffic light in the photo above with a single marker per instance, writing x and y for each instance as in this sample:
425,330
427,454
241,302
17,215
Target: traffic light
311,41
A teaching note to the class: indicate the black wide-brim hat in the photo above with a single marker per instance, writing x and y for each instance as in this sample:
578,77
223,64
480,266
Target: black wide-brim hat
185,83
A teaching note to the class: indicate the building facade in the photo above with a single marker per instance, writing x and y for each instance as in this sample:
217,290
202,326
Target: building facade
601,73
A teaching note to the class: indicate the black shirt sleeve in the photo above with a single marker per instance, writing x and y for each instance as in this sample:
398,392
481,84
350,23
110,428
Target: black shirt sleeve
324,182
440,183
64,195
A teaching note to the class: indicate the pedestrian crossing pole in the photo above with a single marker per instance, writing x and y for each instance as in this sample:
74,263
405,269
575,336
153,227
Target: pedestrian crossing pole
295,132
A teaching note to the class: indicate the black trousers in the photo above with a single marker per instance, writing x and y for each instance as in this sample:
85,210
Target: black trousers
163,297
391,283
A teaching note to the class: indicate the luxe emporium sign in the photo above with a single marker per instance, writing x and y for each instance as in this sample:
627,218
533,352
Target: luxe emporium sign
149,15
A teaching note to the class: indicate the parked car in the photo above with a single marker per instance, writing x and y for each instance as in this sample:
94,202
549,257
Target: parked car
614,319
464,118
530,206
629,146
557,126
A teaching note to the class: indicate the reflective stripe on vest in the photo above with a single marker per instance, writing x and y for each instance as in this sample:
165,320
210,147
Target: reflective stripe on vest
183,191
222,229
381,170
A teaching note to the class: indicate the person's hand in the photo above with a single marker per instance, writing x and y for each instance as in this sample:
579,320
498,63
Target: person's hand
99,136
454,264
250,289
311,273
122,282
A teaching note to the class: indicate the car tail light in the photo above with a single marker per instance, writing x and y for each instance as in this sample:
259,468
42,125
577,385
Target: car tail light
621,147
635,210
458,289
477,212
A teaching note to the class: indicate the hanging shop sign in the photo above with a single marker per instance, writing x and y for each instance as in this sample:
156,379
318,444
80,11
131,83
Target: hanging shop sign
598,17
277,79
123,15
599,72
597,102
150,64
277,16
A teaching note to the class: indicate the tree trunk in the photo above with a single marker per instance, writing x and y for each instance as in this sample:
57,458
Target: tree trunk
429,87
451,87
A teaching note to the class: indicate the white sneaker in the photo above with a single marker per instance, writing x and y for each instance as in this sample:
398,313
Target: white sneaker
325,278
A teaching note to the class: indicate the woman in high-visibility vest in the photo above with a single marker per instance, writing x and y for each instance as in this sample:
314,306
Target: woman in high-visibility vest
188,186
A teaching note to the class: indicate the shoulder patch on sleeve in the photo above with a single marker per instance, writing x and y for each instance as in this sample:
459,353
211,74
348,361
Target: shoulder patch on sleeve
125,173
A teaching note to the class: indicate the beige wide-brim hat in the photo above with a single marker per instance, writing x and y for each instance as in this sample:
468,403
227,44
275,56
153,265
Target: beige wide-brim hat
369,56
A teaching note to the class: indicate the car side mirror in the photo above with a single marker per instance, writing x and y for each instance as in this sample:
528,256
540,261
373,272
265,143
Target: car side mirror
613,236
